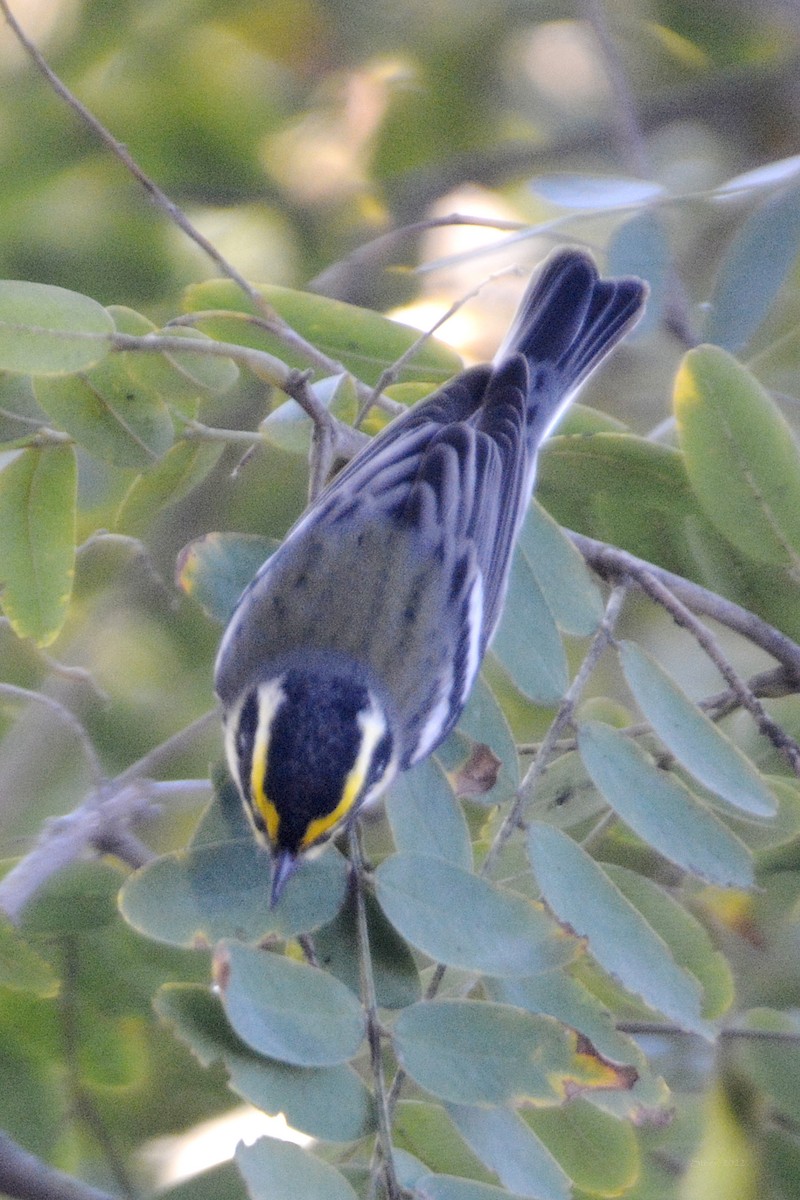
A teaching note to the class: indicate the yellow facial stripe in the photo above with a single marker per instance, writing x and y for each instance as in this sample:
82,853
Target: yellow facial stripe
270,697
373,726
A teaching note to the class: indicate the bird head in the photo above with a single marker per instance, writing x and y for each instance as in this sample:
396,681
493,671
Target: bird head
307,746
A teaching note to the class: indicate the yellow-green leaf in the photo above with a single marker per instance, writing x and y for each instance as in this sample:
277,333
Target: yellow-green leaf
365,342
741,458
37,540
48,330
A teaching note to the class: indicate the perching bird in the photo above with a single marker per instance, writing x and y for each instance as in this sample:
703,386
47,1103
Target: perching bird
352,653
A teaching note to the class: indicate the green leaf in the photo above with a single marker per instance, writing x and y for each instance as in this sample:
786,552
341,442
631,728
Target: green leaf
275,1170
331,1103
425,816
179,379
740,455
640,247
527,643
21,968
507,1146
559,569
599,1153
396,977
363,341
471,1052
427,1131
288,1010
558,994
754,268
108,413
219,886
172,478
696,742
47,330
661,810
194,898
37,540
216,568
688,941
478,1052
565,794
621,489
582,895
459,919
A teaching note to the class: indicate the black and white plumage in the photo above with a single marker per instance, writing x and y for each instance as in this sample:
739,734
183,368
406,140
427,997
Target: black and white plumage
352,653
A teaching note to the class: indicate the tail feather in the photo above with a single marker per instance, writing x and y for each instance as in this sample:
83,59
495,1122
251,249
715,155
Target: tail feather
568,321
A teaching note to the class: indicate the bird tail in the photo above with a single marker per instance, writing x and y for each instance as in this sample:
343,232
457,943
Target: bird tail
568,321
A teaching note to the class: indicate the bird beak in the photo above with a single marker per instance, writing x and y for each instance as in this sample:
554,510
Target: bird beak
284,865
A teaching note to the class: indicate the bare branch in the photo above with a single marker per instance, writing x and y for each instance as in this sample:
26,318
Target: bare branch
611,563
26,1177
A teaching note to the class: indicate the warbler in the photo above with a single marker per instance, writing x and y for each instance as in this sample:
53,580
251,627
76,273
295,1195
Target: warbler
351,654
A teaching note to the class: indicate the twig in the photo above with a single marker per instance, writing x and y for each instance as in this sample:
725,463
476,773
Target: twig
611,563
107,810
370,1002
26,1177
684,617
562,719
390,374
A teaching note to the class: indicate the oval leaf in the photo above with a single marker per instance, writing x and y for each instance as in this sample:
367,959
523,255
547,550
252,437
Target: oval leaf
756,265
47,330
327,1102
287,1010
506,1145
559,569
38,491
425,816
275,1170
581,894
661,810
696,742
109,414
220,886
180,470
689,942
459,919
364,342
216,568
599,1153
527,643
740,455
471,1052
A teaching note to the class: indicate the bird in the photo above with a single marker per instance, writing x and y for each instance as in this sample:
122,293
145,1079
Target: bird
351,654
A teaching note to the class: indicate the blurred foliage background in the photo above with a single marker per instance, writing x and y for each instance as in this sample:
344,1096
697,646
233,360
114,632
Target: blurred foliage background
296,134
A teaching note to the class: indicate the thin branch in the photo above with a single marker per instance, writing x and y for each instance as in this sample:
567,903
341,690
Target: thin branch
613,564
26,1177
391,373
106,813
370,1002
684,617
